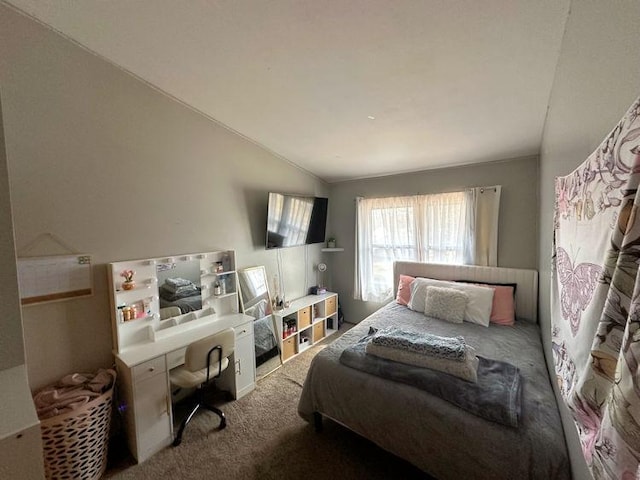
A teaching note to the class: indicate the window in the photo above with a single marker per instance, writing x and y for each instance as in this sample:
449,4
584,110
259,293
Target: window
424,228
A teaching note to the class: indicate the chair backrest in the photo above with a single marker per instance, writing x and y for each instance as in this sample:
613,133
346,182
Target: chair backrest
195,357
168,312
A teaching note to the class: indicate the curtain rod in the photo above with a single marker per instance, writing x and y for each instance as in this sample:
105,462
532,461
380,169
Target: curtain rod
481,189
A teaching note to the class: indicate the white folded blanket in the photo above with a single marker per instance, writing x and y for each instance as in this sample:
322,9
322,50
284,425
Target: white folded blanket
467,369
178,282
179,290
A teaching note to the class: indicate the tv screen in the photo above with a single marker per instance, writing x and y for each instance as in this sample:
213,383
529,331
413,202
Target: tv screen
294,220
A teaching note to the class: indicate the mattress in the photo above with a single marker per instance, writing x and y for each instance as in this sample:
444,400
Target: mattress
431,433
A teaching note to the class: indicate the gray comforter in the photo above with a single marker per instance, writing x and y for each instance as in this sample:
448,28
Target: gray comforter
433,434
495,396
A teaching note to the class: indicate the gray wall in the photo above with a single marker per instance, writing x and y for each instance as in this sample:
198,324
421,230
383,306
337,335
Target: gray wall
518,227
20,442
11,342
96,158
597,79
118,170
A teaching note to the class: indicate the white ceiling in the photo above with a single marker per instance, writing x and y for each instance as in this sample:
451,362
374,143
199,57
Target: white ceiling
449,82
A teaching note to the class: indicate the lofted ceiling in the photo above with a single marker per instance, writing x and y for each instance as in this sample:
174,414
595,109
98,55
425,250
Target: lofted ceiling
342,88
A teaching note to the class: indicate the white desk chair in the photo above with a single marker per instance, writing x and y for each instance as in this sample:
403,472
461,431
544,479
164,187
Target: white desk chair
168,312
209,353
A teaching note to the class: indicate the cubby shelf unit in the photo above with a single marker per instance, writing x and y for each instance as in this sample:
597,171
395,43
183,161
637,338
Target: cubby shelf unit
305,322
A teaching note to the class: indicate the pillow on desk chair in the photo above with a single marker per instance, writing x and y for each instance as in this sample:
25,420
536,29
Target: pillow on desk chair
168,312
182,377
204,360
194,371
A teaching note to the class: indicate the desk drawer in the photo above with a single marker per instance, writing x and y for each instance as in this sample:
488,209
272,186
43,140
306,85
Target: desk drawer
176,358
243,330
149,369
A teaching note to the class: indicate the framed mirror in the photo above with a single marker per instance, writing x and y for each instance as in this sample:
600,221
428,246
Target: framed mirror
254,292
256,302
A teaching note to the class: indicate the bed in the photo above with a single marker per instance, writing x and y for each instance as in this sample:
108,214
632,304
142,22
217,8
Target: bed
435,435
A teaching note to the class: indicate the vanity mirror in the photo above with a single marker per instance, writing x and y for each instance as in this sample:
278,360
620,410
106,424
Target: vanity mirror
170,294
256,302
179,287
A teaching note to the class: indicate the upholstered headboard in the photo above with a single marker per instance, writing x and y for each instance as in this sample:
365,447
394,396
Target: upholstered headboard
527,280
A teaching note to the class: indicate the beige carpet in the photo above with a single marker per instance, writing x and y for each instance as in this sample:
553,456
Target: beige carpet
266,439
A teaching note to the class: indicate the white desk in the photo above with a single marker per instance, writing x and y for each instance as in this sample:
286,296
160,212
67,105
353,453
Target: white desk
143,379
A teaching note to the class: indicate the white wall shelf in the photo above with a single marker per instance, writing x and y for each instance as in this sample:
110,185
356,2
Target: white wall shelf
336,249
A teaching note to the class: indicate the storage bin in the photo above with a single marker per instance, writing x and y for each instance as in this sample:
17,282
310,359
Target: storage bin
75,444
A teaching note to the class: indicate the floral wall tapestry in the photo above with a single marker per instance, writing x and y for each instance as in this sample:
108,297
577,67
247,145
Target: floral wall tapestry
595,300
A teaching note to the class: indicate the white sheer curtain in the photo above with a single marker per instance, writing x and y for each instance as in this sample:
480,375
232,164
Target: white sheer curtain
442,227
427,228
458,227
481,235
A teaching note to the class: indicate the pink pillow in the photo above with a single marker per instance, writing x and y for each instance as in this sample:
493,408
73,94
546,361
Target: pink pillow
404,289
503,310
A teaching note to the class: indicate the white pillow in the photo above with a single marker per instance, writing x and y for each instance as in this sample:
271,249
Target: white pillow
467,369
478,307
445,303
419,290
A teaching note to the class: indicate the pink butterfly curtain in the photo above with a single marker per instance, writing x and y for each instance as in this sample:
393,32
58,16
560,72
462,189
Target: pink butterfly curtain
595,300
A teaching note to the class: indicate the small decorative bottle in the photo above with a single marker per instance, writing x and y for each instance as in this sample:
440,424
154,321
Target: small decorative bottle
147,306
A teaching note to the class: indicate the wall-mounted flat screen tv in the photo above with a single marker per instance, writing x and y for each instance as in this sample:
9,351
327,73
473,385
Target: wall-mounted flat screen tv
294,220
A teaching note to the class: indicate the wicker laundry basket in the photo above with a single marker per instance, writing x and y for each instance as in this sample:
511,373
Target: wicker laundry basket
75,444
